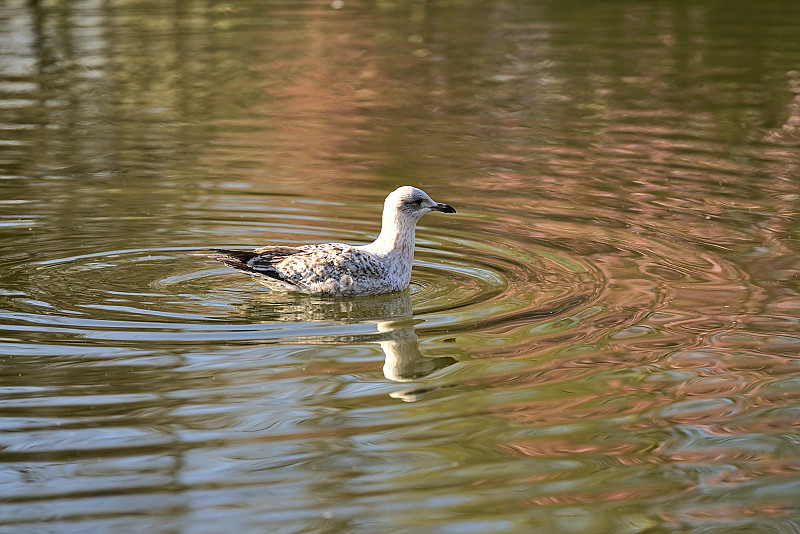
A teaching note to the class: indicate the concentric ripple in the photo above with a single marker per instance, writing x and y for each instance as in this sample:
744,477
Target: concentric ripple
461,282
496,287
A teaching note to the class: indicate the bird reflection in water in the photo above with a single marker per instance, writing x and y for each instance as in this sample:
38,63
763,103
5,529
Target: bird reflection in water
404,361
391,312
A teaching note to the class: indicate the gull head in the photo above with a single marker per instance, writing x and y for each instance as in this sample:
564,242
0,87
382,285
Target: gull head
413,203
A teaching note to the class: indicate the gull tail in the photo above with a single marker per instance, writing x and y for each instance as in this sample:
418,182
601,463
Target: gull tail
234,258
240,260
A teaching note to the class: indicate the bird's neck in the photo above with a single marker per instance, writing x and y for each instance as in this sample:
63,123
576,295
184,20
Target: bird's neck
397,237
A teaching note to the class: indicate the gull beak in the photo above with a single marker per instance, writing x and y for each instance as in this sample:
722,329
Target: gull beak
444,208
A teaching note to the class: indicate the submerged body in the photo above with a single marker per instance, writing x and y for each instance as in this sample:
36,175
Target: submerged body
339,269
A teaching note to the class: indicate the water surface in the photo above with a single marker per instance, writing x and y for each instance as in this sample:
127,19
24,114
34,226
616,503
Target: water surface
603,339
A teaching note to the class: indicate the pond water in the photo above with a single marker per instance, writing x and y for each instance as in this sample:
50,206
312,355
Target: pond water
603,339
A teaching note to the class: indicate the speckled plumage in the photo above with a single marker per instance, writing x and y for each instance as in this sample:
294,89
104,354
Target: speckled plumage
339,269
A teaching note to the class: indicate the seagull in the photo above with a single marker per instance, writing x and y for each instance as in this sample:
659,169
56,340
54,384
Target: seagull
338,269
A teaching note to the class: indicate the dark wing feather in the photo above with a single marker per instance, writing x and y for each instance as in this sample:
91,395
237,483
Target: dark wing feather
260,261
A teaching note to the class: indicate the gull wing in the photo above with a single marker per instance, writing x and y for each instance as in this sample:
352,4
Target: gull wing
335,266
316,264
